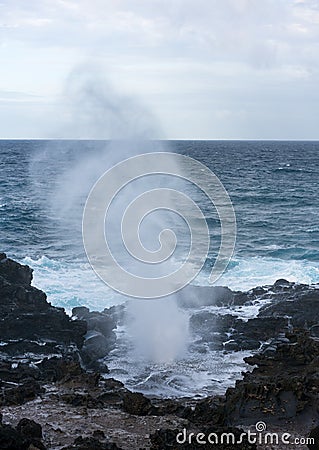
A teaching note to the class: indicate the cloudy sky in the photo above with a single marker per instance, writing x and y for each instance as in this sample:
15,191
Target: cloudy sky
203,69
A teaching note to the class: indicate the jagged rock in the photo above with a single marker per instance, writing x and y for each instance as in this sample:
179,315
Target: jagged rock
10,439
250,334
282,386
137,404
117,312
91,391
208,411
163,407
81,399
195,296
98,434
112,392
29,428
81,312
100,337
57,369
20,438
41,344
314,434
31,332
17,395
300,304
14,272
230,333
26,316
96,346
91,444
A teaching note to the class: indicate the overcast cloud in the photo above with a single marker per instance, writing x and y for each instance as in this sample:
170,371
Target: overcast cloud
203,68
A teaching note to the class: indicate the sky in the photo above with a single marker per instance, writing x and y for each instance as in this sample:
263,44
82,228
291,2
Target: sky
189,69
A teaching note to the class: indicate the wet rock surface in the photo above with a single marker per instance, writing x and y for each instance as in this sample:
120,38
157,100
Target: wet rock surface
283,386
29,324
283,306
100,337
53,394
91,444
27,435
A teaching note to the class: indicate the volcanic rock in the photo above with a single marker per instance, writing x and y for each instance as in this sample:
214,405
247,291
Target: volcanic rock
136,403
91,444
282,386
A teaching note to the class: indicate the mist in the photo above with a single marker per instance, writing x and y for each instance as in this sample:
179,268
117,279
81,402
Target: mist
158,328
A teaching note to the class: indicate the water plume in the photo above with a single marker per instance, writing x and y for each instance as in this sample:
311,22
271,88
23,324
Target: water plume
122,128
159,329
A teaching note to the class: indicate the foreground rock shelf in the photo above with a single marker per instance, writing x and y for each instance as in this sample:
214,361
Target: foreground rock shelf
54,395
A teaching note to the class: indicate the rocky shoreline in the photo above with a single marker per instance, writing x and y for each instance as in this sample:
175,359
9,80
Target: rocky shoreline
55,393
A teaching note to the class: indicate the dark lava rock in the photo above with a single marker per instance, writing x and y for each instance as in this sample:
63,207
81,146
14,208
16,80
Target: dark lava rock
82,399
98,434
112,392
91,391
230,333
57,369
14,272
260,329
29,428
81,312
314,434
40,343
282,283
117,312
181,439
100,337
25,314
290,305
284,385
208,411
196,296
250,334
299,302
137,404
17,395
206,324
302,309
96,346
17,373
163,407
11,439
20,438
91,444
48,370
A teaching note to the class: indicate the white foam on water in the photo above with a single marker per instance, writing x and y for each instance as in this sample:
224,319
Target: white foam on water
70,284
196,375
261,271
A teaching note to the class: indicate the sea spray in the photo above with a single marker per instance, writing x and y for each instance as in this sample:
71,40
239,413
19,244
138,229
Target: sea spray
96,111
159,329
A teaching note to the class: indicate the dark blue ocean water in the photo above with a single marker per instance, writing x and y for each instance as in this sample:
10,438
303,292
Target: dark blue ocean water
274,188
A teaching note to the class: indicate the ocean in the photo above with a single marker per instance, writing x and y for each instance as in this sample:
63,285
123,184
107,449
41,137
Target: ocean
274,188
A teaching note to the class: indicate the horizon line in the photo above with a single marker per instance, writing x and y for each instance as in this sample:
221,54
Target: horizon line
164,139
